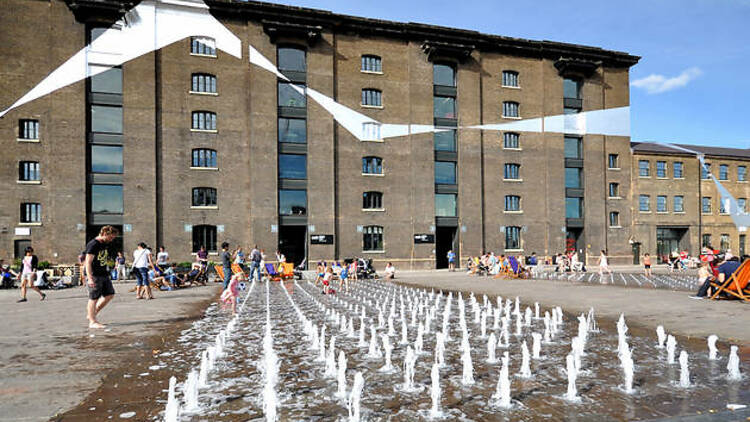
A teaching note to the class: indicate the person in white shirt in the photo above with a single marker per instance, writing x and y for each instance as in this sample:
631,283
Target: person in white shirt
390,271
142,261
604,267
162,258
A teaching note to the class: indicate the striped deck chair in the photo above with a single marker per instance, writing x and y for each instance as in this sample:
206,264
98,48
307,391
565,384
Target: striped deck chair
736,285
287,270
272,273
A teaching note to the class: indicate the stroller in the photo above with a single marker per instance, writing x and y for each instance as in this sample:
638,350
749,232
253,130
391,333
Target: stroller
299,268
365,270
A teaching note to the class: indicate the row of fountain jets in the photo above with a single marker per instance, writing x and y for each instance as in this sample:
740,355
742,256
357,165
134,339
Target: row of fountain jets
269,366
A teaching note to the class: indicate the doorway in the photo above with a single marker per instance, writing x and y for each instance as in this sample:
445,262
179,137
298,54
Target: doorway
445,240
293,243
572,240
668,240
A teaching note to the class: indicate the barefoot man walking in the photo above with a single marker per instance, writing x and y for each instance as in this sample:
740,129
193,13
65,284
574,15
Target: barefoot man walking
100,286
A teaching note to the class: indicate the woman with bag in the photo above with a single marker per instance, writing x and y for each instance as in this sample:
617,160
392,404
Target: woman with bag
142,260
28,274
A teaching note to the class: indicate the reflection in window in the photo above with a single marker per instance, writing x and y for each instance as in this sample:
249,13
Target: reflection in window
573,147
290,97
372,238
512,171
203,45
372,200
372,64
661,169
677,169
723,172
292,130
705,171
203,157
28,171
443,75
644,203
203,82
724,242
512,203
742,173
28,129
292,166
644,170
444,107
445,173
511,140
204,120
613,161
706,240
706,205
573,178
445,205
106,199
445,140
679,202
372,97
109,81
372,165
742,205
204,235
573,207
512,237
661,203
614,219
510,109
614,190
291,58
292,202
572,88
31,212
106,159
106,119
204,197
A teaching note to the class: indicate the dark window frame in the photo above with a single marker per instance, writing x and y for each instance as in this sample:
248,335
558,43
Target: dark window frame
512,171
371,63
204,83
204,235
614,190
200,49
512,238
647,203
31,212
511,140
283,48
204,196
372,239
29,171
372,165
203,120
372,200
28,129
614,219
678,170
661,203
372,97
204,158
613,161
512,203
450,66
510,79
511,109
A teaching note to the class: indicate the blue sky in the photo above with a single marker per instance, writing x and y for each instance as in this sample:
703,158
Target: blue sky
692,84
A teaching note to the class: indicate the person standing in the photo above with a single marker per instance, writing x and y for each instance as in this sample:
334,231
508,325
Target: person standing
28,274
451,260
226,263
120,266
647,265
142,261
162,258
99,284
604,267
239,258
255,262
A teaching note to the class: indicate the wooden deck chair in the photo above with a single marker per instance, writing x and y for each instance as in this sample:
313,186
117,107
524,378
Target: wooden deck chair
236,269
272,273
219,271
287,270
735,285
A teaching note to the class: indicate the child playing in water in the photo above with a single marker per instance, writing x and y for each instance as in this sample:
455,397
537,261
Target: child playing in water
231,293
327,278
344,278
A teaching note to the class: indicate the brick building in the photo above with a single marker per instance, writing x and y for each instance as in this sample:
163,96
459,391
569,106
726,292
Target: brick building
188,146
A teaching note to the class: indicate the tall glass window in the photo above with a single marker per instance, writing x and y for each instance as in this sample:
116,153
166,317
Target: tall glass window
290,97
661,203
723,172
372,63
203,82
444,107
445,140
741,173
372,165
204,235
445,205
106,119
106,199
293,59
203,120
724,242
292,202
203,157
106,159
573,147
679,203
706,205
573,207
614,219
28,129
512,171
742,205
512,237
677,169
511,140
204,197
572,88
108,82
706,240
573,177
614,190
372,238
292,166
613,162
512,203
443,75
510,78
293,131
705,171
644,203
644,169
661,169
445,173
203,46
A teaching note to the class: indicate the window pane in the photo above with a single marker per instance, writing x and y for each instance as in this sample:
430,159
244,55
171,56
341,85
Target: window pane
643,168
661,203
372,97
289,97
444,107
292,166
510,140
443,75
723,172
445,172
573,207
292,59
613,161
293,130
106,119
106,159
661,169
572,147
644,203
573,177
109,82
372,165
292,202
445,205
445,141
678,204
571,88
106,199
677,170
741,173
705,170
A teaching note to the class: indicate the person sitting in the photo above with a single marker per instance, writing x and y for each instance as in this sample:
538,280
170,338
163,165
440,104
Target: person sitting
725,271
7,276
168,280
192,278
390,271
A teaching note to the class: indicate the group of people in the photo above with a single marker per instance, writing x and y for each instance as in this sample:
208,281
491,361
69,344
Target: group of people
716,267
491,264
326,274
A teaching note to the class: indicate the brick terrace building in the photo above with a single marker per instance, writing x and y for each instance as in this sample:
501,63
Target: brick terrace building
188,146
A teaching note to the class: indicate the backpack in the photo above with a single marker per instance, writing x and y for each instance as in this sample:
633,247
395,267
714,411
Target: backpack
255,255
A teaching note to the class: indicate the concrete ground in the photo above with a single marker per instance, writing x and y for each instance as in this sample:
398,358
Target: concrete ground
50,361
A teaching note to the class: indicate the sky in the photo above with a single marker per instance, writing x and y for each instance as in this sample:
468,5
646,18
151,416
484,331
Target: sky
691,86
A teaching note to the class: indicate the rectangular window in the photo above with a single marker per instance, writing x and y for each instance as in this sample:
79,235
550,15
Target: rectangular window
511,140
106,119
106,159
28,171
445,173
204,197
204,158
108,82
372,64
371,131
677,169
742,205
644,169
614,219
706,240
293,131
741,173
724,242
512,237
443,75
292,202
203,46
644,203
723,172
445,205
510,78
512,203
613,161
661,203
742,244
372,238
706,205
705,171
106,199
512,171
444,107
292,166
510,109
679,203
203,120
614,190
28,129
289,96
445,140
293,59
723,203
572,88
204,83
372,165
573,207
372,200
573,177
372,97
31,212
573,147
661,169
204,236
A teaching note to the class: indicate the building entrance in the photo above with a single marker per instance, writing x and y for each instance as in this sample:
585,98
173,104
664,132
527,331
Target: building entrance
293,243
669,240
445,240
572,240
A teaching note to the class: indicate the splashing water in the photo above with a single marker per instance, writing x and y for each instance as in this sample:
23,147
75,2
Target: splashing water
467,377
439,349
355,397
172,412
536,346
733,365
661,337
409,361
502,394
671,345
572,393
684,370
341,377
388,348
491,344
435,392
712,347
525,371
190,392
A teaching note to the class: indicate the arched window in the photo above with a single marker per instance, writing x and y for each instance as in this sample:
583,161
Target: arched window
372,200
512,171
511,140
203,46
292,59
204,235
203,157
204,197
371,63
512,203
510,109
204,120
510,78
372,165
204,83
372,97
372,238
443,75
512,237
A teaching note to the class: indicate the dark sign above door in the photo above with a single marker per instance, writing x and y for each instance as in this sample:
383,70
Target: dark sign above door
424,238
321,239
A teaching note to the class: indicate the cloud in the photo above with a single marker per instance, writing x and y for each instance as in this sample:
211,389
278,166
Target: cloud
656,84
